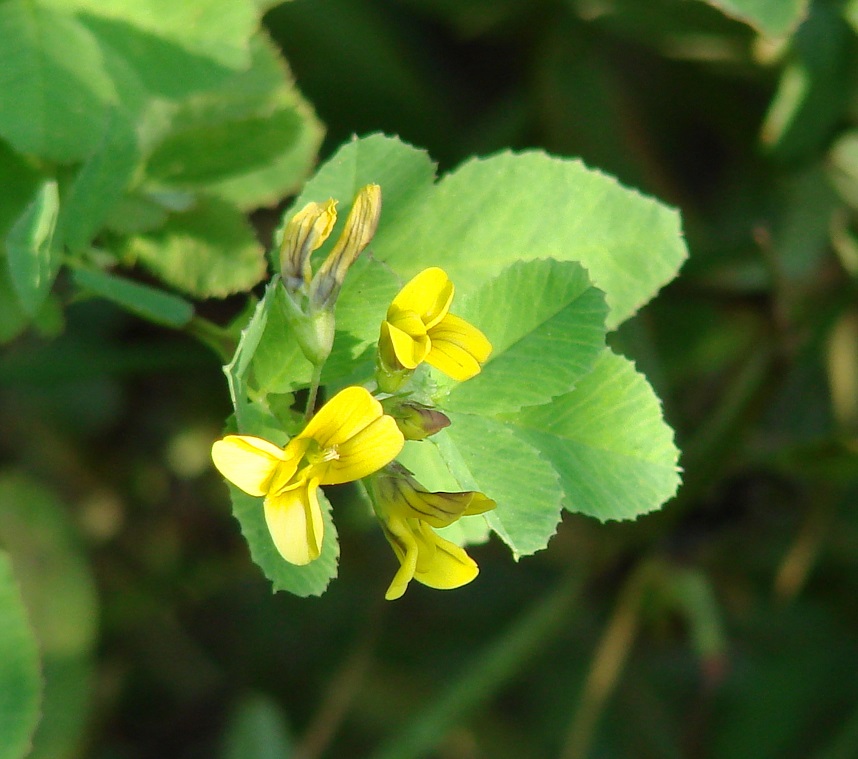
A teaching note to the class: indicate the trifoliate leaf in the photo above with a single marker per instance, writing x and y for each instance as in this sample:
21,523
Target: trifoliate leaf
546,324
608,441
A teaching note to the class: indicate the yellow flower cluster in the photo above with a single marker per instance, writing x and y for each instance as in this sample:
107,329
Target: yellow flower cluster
351,437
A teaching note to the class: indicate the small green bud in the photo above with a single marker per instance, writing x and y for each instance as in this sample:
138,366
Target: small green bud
415,421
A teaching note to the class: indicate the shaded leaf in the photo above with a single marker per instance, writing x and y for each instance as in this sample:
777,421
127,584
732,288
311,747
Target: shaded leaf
207,251
33,256
145,301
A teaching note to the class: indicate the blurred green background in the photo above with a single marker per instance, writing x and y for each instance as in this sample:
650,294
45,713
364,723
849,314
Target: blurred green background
724,626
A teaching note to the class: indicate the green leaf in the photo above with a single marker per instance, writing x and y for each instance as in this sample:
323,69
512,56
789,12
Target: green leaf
19,182
257,729
405,174
99,185
207,251
278,365
145,301
175,48
252,139
546,324
62,89
608,441
775,18
309,580
237,370
487,455
33,257
492,212
811,96
20,679
60,595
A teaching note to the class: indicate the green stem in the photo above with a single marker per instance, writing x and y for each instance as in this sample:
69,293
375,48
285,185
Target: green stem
313,392
220,340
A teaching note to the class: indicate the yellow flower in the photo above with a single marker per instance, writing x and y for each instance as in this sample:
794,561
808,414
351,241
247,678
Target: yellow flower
408,512
349,438
420,328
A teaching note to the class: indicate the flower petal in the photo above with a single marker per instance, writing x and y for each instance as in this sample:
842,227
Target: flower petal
458,348
407,337
294,520
375,446
401,539
429,295
247,462
342,417
450,566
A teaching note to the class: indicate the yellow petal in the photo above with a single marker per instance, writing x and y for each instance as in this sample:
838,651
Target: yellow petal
428,295
342,417
450,566
479,504
404,546
408,338
458,348
375,446
247,462
294,520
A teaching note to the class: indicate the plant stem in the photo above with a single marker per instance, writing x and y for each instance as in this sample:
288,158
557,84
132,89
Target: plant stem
220,340
313,392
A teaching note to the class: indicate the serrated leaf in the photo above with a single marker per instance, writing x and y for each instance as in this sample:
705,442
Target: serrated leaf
33,257
20,678
546,324
608,441
492,212
207,251
99,185
57,87
145,301
775,18
309,580
487,455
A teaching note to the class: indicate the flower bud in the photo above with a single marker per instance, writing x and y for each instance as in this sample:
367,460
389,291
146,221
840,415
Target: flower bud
360,227
416,421
304,233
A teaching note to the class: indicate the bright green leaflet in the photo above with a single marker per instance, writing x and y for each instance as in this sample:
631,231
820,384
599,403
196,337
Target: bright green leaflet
20,679
147,302
775,18
208,251
608,441
492,212
546,324
33,256
486,454
61,599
